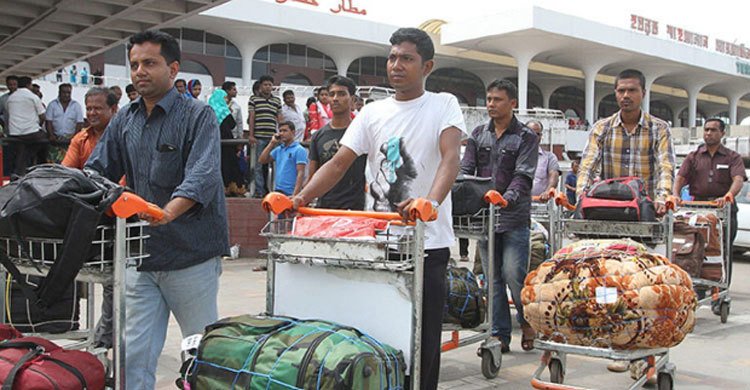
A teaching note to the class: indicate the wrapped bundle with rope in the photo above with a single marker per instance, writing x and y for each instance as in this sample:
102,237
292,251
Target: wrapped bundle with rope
610,293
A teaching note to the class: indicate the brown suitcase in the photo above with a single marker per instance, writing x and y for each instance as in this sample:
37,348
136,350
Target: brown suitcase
712,271
688,248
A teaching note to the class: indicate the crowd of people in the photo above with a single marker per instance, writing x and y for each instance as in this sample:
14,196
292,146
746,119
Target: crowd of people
167,146
37,133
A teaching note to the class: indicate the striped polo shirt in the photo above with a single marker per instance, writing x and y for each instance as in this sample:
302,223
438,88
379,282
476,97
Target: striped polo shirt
266,114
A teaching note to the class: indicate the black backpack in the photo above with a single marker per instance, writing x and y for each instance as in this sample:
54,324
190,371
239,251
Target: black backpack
467,194
54,202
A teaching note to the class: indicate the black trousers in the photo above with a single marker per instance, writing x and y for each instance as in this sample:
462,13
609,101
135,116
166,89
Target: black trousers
433,300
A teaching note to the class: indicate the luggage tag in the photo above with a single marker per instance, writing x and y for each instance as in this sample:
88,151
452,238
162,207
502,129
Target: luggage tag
191,342
606,295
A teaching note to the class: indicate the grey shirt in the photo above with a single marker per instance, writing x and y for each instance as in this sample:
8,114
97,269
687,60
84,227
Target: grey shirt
175,152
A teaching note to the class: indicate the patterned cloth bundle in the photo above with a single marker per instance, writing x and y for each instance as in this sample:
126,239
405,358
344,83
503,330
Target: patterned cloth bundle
610,293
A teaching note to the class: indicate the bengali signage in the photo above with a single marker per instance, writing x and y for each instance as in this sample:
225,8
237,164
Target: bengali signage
652,27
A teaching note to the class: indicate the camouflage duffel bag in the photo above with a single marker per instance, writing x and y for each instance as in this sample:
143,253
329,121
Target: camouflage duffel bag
464,303
255,352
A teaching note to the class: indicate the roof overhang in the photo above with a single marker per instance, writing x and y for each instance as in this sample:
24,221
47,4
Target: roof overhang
40,36
554,38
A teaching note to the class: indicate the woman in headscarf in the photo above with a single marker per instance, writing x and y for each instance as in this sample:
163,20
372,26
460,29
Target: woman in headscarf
194,88
230,169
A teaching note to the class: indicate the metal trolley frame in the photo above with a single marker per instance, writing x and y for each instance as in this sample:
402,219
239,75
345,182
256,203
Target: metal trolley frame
555,351
719,291
479,226
119,246
548,212
392,261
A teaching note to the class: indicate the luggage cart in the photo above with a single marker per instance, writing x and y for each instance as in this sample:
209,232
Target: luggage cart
719,290
555,350
480,226
118,246
547,213
374,285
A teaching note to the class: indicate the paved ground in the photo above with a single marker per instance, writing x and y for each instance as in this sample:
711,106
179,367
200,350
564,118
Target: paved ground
714,356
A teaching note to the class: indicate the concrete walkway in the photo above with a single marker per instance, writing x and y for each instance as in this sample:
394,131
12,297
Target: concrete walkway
715,356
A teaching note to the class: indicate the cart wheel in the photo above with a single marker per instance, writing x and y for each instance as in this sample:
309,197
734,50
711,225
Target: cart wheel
664,381
724,312
556,372
489,369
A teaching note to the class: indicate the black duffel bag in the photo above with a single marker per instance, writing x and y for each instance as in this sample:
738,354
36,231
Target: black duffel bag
62,316
467,194
55,202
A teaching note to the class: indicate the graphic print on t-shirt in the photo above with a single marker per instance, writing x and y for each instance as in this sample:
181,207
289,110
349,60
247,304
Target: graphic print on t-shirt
330,148
392,181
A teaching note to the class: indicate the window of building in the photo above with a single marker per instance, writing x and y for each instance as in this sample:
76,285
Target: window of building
291,54
367,66
467,86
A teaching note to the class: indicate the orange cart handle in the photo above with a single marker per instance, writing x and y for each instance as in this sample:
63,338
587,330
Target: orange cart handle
129,204
538,198
420,209
729,198
494,197
562,200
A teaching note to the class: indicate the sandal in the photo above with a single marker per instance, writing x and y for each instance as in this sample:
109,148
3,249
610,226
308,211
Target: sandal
527,338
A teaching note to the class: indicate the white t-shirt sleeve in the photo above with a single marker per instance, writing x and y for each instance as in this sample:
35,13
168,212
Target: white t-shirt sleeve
356,136
453,117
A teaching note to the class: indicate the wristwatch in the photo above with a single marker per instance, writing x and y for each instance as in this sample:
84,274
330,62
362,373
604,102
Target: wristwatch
435,204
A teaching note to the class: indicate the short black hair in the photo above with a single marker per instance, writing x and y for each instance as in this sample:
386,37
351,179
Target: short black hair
256,86
180,81
170,48
227,85
288,123
504,85
129,88
631,74
344,82
288,92
11,78
24,82
722,125
425,47
64,85
265,78
111,97
310,100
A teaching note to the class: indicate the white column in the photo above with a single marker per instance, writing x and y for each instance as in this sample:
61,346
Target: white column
693,105
523,61
646,105
676,110
590,91
733,102
248,52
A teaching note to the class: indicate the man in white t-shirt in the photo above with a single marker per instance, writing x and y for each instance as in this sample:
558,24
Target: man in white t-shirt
412,142
26,115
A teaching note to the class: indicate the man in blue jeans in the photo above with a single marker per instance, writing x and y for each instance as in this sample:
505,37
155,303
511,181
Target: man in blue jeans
167,146
514,158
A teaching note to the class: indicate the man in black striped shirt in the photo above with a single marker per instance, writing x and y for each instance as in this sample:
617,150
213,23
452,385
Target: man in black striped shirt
264,115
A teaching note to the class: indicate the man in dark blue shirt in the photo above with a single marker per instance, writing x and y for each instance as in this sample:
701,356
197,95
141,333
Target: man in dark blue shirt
167,146
514,157
570,182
